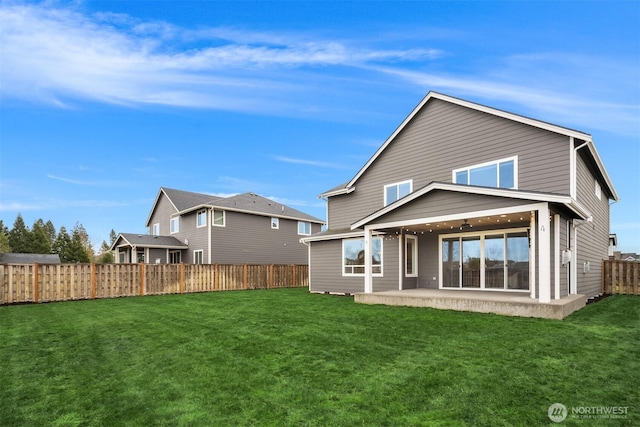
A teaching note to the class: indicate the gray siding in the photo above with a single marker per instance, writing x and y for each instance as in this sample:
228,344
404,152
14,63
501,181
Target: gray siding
326,268
592,239
439,203
250,239
443,137
161,215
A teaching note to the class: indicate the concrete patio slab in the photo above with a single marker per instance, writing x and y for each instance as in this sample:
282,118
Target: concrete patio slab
505,303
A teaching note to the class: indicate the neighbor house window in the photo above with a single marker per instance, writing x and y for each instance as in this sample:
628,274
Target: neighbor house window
218,218
411,256
393,192
175,257
198,256
499,174
201,218
156,229
598,190
304,228
353,256
174,225
275,223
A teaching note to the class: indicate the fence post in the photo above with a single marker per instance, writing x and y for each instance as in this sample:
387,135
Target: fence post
141,279
270,282
35,282
245,277
181,277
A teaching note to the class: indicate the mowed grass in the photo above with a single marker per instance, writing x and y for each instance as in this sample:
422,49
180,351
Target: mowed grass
287,357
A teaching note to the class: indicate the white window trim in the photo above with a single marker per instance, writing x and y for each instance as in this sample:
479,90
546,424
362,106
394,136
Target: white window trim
598,190
224,218
414,258
177,221
397,184
205,218
275,221
482,235
494,162
381,274
304,234
155,229
201,252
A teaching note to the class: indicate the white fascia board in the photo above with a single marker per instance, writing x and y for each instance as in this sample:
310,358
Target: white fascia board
345,190
478,107
485,191
359,233
265,214
603,170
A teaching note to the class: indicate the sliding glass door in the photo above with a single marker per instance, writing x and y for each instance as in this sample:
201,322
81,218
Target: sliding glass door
486,260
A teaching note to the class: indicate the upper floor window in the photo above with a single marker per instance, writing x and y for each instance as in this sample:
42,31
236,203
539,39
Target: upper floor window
156,229
393,192
201,218
598,190
500,174
304,228
275,223
218,218
174,225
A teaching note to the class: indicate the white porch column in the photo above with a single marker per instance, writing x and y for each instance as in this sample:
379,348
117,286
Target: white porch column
544,254
556,256
532,254
134,253
573,264
368,267
208,227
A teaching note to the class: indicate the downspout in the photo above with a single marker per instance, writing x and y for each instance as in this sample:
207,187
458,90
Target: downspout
573,263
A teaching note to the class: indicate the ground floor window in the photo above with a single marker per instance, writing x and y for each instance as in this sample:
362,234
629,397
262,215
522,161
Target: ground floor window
411,256
353,256
175,257
489,260
198,257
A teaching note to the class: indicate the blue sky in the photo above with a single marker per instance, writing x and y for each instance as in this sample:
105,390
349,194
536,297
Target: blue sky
104,102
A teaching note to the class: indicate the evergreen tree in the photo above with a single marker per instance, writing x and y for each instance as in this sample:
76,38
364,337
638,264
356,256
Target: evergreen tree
112,236
20,237
4,238
40,243
106,256
75,249
61,244
51,232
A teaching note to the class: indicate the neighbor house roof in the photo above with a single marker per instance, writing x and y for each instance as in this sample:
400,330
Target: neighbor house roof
148,241
350,186
11,258
186,201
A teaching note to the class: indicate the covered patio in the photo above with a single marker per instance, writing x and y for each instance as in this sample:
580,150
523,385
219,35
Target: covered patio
504,303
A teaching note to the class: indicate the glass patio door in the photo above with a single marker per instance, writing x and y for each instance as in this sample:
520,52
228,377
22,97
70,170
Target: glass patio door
471,262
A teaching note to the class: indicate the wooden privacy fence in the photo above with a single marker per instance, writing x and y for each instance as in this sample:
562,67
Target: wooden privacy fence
63,282
620,277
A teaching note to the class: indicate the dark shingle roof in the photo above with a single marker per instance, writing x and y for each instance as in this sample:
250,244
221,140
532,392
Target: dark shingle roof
184,200
11,258
247,202
150,241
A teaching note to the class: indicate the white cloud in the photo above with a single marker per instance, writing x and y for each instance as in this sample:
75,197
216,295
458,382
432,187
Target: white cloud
59,55
307,162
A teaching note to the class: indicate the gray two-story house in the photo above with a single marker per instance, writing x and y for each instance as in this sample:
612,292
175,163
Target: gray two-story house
197,228
467,197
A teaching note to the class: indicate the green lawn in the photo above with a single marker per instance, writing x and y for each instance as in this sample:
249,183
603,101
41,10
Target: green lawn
287,357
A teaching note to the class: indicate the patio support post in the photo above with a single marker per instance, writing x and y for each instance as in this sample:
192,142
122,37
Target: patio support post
556,256
368,268
544,254
134,253
532,254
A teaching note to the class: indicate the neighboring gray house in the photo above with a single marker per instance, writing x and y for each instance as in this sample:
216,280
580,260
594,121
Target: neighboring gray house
462,196
197,228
